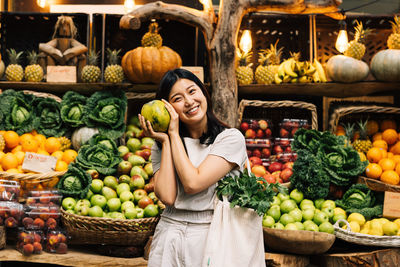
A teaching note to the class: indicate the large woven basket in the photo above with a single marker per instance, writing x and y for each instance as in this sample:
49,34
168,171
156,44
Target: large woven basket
278,110
364,239
363,112
94,230
377,185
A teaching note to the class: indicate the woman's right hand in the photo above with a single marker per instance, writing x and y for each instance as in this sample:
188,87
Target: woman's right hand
148,130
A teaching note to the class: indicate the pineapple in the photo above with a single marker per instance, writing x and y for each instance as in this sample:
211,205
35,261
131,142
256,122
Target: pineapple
91,72
393,41
356,48
65,143
14,71
269,63
349,132
363,144
152,38
2,142
33,72
244,72
114,72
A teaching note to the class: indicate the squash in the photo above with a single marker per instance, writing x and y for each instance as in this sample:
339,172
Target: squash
149,64
2,68
346,69
385,65
81,136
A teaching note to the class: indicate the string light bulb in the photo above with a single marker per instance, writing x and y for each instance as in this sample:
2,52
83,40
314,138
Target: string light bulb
129,5
342,40
41,3
246,43
206,4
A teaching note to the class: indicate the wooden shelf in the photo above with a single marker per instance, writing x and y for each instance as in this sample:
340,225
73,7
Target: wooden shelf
322,89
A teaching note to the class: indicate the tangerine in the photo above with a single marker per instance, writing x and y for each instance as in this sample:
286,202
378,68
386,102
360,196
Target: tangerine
397,169
374,155
30,145
40,138
9,161
380,143
390,177
20,156
377,136
52,144
69,155
396,159
387,164
17,148
373,170
42,152
58,154
24,137
61,166
390,136
11,138
395,149
388,124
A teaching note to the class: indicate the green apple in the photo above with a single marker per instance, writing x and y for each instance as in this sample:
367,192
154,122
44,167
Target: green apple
274,212
85,202
153,197
306,202
138,194
122,151
288,205
127,204
139,170
96,185
136,160
124,167
328,204
130,212
117,215
318,203
98,200
338,210
134,121
278,225
68,203
148,141
296,195
137,182
282,196
89,194
150,210
126,196
308,214
140,213
338,216
123,187
275,201
268,221
286,218
124,178
307,222
95,211
111,181
291,226
133,144
70,211
114,204
81,209
296,214
328,211
311,227
320,217
108,192
299,225
326,227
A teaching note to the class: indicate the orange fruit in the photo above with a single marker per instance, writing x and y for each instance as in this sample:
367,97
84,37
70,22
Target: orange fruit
13,170
390,177
388,124
396,159
40,138
372,127
390,155
17,148
20,156
30,145
373,170
34,132
395,149
356,136
1,155
384,153
58,154
340,130
390,136
25,136
377,136
380,144
69,155
52,144
397,169
42,152
61,166
374,155
9,161
2,132
387,164
11,138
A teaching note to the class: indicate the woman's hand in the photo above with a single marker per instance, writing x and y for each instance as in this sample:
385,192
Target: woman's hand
174,122
148,130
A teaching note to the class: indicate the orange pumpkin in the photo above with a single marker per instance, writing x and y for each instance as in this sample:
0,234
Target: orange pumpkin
149,64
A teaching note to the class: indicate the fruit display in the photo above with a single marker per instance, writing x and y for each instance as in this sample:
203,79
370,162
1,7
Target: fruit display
91,73
11,214
244,71
56,241
269,60
30,241
9,190
377,226
50,197
288,127
14,71
41,217
113,72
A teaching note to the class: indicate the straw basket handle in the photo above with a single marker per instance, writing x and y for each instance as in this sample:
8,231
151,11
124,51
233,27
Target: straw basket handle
348,229
340,112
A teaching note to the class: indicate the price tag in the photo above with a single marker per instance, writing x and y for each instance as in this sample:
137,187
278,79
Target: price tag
39,163
198,71
391,205
59,74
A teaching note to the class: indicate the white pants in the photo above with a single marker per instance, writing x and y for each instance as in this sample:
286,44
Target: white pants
178,244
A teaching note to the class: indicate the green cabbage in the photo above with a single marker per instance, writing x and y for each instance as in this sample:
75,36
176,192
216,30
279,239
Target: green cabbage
47,117
72,109
75,182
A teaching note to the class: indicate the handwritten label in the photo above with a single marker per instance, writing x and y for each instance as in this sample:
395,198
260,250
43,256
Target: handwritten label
391,205
60,74
38,163
198,71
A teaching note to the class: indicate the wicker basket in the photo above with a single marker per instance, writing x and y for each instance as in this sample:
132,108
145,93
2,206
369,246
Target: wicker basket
93,230
364,239
360,112
377,185
278,110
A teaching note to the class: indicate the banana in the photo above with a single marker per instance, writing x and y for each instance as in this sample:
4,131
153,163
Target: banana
277,79
320,70
316,77
286,79
302,67
288,67
281,71
311,69
303,79
294,80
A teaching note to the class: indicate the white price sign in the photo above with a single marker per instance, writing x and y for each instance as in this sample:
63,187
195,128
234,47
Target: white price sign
38,163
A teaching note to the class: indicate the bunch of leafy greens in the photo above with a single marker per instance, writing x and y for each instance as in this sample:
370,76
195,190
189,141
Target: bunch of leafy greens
248,191
16,111
47,118
72,109
359,198
99,154
323,159
106,111
75,182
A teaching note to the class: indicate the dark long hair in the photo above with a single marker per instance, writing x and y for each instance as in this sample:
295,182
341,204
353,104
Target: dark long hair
214,125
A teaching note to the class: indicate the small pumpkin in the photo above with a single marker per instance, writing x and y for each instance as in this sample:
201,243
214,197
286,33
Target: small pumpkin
2,68
81,136
346,69
385,65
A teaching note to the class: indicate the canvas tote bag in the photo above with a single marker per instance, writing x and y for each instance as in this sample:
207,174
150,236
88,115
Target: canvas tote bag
235,238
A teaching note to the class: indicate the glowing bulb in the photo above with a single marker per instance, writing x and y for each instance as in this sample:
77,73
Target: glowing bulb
129,5
245,43
342,41
41,3
205,4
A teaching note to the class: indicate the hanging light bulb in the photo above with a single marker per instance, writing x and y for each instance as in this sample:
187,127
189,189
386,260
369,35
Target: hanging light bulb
342,41
205,3
41,3
246,43
129,5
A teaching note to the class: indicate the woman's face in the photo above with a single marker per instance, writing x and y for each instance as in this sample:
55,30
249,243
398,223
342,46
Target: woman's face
188,101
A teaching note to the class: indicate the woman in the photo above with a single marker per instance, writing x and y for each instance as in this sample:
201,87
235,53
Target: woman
188,161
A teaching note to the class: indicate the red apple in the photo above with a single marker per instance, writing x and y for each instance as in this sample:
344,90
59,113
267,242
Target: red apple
268,132
255,161
144,201
284,142
269,178
288,149
285,175
278,149
283,133
288,165
256,153
276,175
275,166
250,133
258,170
265,153
260,134
244,126
127,155
263,124
254,125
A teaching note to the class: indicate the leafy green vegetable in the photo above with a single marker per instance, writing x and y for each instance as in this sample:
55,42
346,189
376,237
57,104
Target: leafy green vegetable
248,191
47,119
106,111
359,198
72,109
100,139
16,112
75,182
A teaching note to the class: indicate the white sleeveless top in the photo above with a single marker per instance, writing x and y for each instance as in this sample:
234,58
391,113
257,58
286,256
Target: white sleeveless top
198,208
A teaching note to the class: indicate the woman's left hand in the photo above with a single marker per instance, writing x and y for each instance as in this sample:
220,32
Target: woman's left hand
174,122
